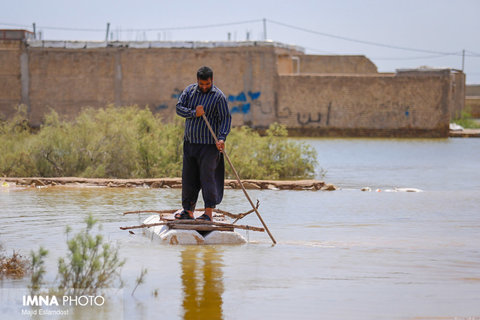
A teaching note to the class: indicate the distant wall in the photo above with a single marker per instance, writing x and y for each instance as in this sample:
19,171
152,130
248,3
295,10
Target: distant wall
263,82
472,90
336,64
291,63
67,80
407,105
10,77
457,88
472,100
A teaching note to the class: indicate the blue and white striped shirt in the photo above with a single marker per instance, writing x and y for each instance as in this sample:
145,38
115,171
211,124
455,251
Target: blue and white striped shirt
216,109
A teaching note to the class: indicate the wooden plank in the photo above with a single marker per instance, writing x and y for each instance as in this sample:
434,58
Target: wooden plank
199,227
197,222
194,223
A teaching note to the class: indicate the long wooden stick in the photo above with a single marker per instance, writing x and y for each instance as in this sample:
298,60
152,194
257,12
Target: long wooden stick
238,179
194,223
151,211
200,227
236,216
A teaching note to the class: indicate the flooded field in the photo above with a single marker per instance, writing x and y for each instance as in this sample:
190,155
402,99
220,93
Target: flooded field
345,254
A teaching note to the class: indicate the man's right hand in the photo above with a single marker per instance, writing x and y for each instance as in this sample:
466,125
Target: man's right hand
199,111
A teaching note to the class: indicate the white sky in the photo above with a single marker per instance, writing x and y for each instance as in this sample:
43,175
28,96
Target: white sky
439,26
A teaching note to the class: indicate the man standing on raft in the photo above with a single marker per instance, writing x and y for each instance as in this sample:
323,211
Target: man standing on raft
203,165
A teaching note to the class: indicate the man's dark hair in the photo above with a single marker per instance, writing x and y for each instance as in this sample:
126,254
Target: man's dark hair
204,73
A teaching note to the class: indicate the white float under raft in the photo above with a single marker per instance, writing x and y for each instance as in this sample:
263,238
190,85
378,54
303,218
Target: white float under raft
165,229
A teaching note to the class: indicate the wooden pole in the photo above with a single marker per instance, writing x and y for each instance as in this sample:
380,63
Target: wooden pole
194,223
236,216
239,181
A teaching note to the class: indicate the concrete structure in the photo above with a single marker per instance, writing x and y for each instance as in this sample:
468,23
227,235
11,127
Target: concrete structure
265,82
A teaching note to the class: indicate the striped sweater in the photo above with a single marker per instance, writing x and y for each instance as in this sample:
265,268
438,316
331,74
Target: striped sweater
216,110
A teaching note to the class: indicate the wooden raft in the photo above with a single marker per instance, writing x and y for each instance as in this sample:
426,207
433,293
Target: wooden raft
220,222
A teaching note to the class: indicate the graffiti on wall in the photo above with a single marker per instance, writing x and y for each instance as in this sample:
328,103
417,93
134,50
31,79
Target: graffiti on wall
306,118
323,118
243,101
161,107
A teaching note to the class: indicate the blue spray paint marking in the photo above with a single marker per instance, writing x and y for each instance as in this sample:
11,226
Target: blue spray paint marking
161,107
242,97
177,94
244,108
254,95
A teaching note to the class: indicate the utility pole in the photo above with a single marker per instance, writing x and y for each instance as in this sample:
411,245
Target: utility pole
463,59
108,29
34,31
264,29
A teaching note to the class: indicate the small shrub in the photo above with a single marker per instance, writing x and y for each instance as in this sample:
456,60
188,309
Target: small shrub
271,157
140,279
15,266
466,120
38,269
89,265
130,142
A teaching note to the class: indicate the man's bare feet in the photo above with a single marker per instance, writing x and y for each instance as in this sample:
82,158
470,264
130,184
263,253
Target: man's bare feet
209,213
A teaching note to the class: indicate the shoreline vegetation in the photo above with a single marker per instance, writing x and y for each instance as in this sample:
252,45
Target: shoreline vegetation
133,143
466,120
168,183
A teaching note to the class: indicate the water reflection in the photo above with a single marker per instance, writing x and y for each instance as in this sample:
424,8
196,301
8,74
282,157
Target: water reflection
202,281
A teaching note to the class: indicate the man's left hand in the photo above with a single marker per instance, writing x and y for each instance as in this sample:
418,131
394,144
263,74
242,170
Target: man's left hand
220,145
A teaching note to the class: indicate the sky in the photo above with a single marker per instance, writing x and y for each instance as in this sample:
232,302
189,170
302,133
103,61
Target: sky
394,34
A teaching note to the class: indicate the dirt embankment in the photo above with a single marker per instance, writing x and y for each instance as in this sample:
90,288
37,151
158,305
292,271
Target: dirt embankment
168,183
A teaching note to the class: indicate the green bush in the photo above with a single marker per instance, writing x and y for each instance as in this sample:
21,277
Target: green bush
270,157
90,265
130,142
466,120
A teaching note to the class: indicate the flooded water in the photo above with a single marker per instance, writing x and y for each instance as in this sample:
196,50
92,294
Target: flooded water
345,254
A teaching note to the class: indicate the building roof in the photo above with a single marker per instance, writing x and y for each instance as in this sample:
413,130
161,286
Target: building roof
157,44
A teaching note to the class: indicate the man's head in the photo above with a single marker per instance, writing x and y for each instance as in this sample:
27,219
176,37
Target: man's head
205,79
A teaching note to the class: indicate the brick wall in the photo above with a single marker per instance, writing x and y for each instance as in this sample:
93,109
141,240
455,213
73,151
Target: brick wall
331,95
407,105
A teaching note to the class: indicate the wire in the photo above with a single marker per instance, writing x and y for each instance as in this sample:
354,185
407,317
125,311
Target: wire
473,53
362,41
382,58
412,58
14,25
137,30
196,27
70,29
436,54
52,28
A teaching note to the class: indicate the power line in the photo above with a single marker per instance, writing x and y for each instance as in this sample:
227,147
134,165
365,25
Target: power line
473,53
14,25
382,58
412,58
197,27
52,28
436,54
362,41
139,29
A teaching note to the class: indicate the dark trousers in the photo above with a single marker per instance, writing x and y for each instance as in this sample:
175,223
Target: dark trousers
203,168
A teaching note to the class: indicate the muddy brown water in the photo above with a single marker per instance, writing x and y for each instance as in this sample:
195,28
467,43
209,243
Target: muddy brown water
345,254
